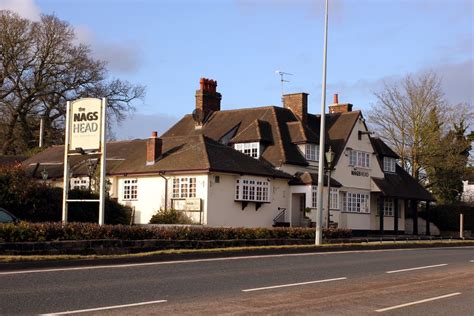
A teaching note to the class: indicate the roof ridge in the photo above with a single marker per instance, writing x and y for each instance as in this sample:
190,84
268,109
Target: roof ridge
254,122
277,129
248,109
203,140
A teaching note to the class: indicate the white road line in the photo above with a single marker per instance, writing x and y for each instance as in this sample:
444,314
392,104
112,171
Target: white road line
418,268
417,302
131,265
292,284
106,308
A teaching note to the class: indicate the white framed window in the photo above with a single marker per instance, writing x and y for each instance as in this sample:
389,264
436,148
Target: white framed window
311,152
356,202
314,196
79,183
130,190
388,207
359,159
184,187
334,198
252,190
389,164
250,149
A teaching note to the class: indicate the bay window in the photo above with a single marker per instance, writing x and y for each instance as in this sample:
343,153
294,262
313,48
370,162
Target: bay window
252,190
356,202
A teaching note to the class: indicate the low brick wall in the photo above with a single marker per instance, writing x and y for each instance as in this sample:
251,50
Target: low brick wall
108,247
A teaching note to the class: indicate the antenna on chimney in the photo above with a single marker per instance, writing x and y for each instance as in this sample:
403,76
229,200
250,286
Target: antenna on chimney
282,80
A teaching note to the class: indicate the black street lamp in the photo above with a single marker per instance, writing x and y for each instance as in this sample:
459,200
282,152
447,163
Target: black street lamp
329,159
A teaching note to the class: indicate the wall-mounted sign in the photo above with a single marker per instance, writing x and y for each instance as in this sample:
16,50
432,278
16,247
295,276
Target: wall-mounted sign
359,173
189,204
85,124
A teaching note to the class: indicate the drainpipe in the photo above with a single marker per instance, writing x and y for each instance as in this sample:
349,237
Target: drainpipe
166,190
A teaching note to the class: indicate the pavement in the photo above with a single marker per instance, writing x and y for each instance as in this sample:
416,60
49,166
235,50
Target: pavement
424,281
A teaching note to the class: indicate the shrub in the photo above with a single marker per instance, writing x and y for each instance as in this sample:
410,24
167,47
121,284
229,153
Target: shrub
170,217
34,201
24,232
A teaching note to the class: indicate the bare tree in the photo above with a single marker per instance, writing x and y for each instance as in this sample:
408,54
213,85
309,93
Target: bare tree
41,68
401,113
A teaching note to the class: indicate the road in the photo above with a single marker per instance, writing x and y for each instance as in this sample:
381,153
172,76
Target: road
436,281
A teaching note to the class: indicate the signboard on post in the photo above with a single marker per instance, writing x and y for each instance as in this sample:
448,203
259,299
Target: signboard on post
85,124
84,135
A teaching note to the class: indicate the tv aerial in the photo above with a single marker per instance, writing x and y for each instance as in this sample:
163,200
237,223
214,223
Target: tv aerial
282,80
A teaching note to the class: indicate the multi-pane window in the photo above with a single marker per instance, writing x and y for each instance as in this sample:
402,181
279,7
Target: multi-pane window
314,196
388,207
80,183
334,198
311,152
252,190
359,159
130,189
356,202
250,149
389,164
184,188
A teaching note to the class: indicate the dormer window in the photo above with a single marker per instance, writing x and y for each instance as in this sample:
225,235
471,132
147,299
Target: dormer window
250,149
389,164
311,152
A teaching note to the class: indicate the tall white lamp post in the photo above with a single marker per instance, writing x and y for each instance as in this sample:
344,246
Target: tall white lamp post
319,196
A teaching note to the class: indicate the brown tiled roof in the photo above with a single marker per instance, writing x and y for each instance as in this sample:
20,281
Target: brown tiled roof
401,185
382,149
302,178
276,124
300,133
180,154
339,127
257,131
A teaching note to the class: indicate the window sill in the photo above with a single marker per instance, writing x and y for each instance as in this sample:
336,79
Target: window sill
360,213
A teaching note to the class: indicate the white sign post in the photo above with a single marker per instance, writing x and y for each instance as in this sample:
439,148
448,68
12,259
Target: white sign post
85,135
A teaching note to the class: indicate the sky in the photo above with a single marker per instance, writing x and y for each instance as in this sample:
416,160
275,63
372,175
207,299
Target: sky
167,45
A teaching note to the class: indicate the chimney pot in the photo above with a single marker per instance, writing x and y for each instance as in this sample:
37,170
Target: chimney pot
207,98
336,99
154,134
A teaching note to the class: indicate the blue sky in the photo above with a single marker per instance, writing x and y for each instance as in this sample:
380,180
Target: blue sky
168,45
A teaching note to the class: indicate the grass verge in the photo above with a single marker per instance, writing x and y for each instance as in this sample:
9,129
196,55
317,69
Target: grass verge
326,247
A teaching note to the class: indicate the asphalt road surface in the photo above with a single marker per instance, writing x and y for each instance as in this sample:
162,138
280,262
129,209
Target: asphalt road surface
436,281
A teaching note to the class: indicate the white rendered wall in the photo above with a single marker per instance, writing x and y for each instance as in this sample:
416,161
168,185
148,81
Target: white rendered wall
223,210
151,196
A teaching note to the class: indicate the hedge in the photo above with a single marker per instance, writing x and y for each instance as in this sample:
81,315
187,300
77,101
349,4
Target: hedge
446,217
30,232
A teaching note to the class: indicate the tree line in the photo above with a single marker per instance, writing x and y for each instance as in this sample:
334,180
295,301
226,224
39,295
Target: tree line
42,66
430,135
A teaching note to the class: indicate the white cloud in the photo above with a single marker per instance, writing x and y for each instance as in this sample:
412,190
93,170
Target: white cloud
26,8
139,125
122,57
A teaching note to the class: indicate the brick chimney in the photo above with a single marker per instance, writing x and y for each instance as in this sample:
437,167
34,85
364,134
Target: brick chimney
298,104
154,148
337,107
207,98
